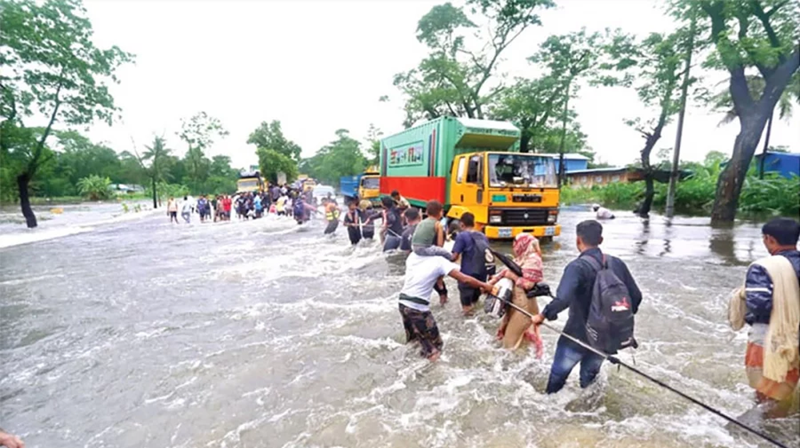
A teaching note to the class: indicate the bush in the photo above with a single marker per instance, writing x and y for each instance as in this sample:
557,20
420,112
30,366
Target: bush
94,187
695,195
774,194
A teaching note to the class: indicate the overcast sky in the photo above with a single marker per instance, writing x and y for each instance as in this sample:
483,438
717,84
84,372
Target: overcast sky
318,66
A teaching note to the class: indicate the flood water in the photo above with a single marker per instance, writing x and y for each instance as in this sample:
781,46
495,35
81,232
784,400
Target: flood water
266,334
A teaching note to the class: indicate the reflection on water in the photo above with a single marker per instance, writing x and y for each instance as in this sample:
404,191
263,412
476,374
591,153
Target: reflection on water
268,334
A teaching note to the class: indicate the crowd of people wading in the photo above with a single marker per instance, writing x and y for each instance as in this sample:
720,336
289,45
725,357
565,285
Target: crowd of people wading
596,288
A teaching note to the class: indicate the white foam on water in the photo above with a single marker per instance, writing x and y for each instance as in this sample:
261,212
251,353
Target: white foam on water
38,234
33,236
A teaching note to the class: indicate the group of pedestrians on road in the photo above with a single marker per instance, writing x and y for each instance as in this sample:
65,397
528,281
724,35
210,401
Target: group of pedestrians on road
278,200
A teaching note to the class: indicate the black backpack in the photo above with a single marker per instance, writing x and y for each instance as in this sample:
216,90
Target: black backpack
482,262
609,323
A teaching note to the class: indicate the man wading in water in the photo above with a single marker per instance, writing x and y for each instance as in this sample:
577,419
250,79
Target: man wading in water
421,274
770,303
575,292
392,230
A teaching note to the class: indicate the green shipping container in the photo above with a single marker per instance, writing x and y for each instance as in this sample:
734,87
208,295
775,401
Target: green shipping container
416,162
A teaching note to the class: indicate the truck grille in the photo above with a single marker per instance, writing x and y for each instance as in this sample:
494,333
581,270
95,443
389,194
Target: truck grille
525,217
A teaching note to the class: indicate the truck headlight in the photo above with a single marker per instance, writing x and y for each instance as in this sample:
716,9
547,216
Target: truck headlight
551,218
495,219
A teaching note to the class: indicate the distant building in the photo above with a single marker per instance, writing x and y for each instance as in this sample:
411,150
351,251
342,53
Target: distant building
786,164
572,162
605,176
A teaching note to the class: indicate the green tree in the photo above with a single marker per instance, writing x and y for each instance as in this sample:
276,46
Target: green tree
272,162
270,135
374,135
532,105
130,170
722,101
657,82
747,35
154,163
50,67
94,187
222,177
452,79
342,157
572,57
199,133
79,157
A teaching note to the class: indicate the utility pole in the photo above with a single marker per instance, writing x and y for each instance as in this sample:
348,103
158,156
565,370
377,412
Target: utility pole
766,146
561,169
676,157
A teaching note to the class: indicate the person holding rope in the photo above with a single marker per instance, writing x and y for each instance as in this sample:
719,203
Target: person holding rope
392,230
576,291
769,302
422,273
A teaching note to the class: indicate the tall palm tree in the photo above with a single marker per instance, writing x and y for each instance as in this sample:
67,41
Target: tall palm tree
157,171
756,85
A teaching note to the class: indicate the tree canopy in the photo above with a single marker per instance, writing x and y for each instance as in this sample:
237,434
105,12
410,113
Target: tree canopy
453,78
49,67
341,157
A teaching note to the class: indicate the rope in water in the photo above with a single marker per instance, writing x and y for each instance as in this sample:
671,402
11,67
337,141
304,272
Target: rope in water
614,360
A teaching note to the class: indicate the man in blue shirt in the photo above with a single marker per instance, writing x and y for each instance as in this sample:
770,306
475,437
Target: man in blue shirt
575,292
473,260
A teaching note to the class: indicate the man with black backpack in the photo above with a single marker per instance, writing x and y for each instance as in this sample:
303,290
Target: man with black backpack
476,260
602,298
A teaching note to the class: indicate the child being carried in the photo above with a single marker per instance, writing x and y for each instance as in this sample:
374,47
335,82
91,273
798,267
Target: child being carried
428,238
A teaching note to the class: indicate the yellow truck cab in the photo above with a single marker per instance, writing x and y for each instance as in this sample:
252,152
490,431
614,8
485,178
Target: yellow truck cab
308,185
509,193
250,182
472,165
369,186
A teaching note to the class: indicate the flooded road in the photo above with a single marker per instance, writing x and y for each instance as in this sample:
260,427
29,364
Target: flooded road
265,334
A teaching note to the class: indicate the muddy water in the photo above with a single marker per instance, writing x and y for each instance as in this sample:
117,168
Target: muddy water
263,334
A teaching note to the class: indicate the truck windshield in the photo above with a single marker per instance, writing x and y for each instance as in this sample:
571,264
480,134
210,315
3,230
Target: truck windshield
370,183
522,170
248,184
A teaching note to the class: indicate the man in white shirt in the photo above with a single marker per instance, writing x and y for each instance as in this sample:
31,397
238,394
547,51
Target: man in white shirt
421,275
186,209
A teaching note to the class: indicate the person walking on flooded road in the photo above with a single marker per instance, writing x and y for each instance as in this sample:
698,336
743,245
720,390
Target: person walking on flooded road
576,293
172,210
472,247
331,215
392,230
413,219
421,275
352,221
186,210
769,303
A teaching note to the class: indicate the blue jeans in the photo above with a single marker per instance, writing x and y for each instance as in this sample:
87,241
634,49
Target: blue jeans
568,354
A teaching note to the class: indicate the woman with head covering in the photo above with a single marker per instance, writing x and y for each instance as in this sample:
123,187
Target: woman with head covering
515,326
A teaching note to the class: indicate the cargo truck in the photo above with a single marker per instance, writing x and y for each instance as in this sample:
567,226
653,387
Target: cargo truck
472,165
363,186
250,181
